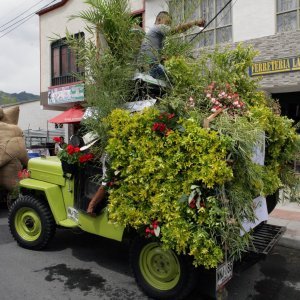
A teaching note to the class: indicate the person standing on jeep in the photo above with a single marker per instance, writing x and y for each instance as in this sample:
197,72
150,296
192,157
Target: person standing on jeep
149,56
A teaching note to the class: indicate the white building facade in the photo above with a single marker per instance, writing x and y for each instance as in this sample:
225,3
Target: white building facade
271,26
59,90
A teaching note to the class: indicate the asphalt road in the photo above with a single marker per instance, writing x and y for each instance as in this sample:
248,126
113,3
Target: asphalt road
81,266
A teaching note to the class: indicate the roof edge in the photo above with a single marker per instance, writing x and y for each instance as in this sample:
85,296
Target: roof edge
52,7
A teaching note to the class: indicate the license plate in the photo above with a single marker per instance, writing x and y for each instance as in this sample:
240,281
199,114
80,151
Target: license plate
224,274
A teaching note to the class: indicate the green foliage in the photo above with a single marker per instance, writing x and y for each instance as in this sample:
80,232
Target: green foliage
156,171
159,171
109,63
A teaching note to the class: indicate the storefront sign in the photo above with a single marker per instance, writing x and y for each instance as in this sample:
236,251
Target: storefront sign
275,66
66,94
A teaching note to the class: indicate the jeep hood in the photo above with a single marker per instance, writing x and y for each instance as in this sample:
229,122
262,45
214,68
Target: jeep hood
46,169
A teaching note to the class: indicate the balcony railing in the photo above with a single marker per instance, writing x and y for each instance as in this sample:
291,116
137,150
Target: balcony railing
65,79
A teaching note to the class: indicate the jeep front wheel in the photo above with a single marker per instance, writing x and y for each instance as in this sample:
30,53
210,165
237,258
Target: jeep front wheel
31,223
161,274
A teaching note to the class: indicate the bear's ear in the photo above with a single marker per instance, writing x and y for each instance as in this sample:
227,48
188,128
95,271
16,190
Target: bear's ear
1,113
11,115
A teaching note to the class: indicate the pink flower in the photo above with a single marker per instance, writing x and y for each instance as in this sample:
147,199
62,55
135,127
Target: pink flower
215,108
191,103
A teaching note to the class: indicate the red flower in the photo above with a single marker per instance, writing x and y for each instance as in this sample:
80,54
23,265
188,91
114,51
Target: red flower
70,149
56,139
193,204
159,127
86,157
76,149
149,232
171,116
23,174
155,224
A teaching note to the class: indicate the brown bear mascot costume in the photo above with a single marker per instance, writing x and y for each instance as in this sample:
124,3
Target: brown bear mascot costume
13,154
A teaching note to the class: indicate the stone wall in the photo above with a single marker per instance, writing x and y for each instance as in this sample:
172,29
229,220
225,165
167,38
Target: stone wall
278,46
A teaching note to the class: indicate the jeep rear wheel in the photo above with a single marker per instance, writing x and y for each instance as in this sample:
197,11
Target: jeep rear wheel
161,274
31,223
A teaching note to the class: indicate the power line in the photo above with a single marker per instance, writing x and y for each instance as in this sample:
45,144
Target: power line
25,19
20,15
211,20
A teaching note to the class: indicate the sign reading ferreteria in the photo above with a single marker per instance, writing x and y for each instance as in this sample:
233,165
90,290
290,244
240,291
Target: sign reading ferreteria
66,94
275,66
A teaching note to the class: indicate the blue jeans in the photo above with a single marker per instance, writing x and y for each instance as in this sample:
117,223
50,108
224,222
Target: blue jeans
157,71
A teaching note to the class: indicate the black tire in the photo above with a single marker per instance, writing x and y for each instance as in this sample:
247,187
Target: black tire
161,283
31,223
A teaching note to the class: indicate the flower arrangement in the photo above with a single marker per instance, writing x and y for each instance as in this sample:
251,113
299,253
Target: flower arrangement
225,98
73,156
153,229
188,185
164,124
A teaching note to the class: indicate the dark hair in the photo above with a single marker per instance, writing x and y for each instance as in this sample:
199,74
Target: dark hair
161,15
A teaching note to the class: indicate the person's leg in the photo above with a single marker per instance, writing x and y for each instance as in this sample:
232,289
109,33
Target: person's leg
157,71
97,198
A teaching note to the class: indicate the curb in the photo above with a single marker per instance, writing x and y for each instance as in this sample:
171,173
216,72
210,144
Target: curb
289,242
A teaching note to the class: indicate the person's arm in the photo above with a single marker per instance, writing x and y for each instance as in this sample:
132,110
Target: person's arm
186,26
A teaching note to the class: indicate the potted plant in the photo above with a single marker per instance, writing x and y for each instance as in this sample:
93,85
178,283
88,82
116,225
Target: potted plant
72,158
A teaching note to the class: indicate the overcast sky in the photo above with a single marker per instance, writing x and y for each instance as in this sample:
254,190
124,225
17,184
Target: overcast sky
19,49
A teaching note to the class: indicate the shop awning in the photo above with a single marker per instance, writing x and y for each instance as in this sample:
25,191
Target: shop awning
72,115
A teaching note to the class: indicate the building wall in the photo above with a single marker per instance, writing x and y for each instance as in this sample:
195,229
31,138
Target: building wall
52,25
282,45
253,19
253,22
152,8
32,116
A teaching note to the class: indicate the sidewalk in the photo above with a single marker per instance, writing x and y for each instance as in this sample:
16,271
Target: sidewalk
287,214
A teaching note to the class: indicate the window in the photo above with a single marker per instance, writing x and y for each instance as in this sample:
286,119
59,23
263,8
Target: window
219,31
287,15
63,63
140,19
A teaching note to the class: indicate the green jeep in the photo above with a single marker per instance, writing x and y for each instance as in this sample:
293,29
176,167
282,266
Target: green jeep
50,198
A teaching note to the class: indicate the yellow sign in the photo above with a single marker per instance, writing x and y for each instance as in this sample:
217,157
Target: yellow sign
275,66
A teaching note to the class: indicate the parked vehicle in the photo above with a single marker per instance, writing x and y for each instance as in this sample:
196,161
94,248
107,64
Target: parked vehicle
50,199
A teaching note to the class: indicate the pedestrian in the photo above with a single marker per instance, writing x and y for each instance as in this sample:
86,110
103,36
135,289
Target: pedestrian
59,145
150,51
